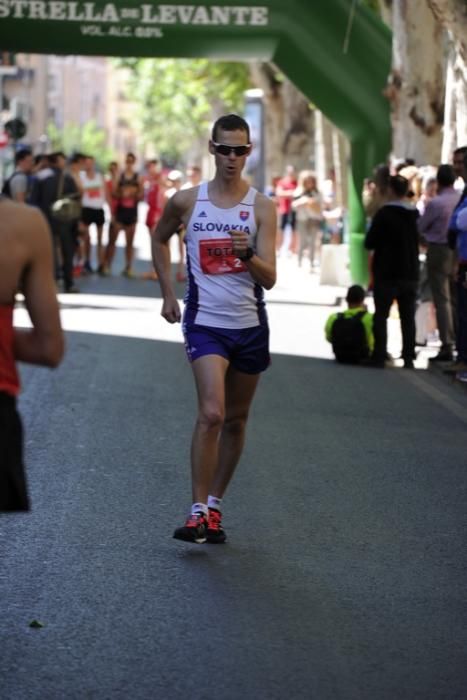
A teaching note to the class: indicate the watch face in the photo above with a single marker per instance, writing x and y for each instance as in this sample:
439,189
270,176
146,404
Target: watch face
248,254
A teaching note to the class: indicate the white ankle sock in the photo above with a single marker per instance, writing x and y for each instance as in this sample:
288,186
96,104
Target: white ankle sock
214,502
199,508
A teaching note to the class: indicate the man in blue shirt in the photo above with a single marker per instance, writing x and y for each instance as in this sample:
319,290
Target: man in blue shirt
433,227
458,233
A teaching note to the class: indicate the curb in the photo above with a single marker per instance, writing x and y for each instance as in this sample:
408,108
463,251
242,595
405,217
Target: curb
437,369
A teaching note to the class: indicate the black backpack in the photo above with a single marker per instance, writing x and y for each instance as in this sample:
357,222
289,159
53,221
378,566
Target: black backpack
348,338
6,190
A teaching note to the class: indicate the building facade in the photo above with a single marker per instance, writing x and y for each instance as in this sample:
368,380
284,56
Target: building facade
67,90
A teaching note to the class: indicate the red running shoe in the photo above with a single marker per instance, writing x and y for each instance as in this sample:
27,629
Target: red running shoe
215,533
194,529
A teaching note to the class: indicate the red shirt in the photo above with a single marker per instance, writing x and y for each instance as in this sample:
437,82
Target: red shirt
155,201
9,380
285,203
109,186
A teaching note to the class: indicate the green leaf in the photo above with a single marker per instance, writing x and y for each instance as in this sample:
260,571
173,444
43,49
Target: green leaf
175,98
35,624
89,139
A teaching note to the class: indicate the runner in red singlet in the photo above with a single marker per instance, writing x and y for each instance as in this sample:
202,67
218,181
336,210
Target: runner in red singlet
26,264
129,192
154,196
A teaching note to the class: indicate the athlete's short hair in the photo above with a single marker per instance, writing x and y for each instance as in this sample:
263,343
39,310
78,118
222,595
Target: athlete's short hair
230,122
355,294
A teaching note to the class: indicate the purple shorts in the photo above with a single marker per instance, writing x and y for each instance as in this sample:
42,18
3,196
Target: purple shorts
247,349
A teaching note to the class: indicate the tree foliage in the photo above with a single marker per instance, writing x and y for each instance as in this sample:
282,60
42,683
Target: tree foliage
88,139
176,97
373,5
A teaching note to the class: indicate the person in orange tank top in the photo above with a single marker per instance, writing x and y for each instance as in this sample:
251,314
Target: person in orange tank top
26,264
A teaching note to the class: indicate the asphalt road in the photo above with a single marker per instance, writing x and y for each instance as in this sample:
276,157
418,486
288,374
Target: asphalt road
344,574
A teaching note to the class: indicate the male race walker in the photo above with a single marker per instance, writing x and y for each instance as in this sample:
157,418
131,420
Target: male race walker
230,239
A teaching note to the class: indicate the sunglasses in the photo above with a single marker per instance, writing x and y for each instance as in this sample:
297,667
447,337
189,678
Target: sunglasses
226,150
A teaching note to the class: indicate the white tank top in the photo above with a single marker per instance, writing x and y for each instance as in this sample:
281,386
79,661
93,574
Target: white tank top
93,195
221,292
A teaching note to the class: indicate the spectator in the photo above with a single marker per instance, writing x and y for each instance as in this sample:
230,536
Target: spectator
459,168
41,168
45,192
41,163
81,241
458,236
393,236
351,331
129,190
111,184
412,175
433,227
154,196
174,182
375,192
94,197
285,192
308,207
18,185
428,192
193,177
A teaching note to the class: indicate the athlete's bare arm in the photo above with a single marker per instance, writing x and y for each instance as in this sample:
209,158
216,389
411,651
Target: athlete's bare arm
174,214
262,266
140,195
43,344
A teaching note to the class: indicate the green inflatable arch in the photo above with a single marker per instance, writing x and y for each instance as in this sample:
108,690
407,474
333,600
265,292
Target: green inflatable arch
337,52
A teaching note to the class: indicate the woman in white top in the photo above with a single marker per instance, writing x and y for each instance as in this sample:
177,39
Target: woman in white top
307,204
93,201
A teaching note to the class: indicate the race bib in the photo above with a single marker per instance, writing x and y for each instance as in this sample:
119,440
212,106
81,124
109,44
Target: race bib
217,257
93,193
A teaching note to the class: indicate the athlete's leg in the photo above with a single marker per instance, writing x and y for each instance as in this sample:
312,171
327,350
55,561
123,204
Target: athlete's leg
314,236
151,274
129,237
303,240
282,223
114,230
239,391
86,237
100,247
209,372
293,232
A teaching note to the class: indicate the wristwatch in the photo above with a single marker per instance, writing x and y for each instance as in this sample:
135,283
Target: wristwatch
249,252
